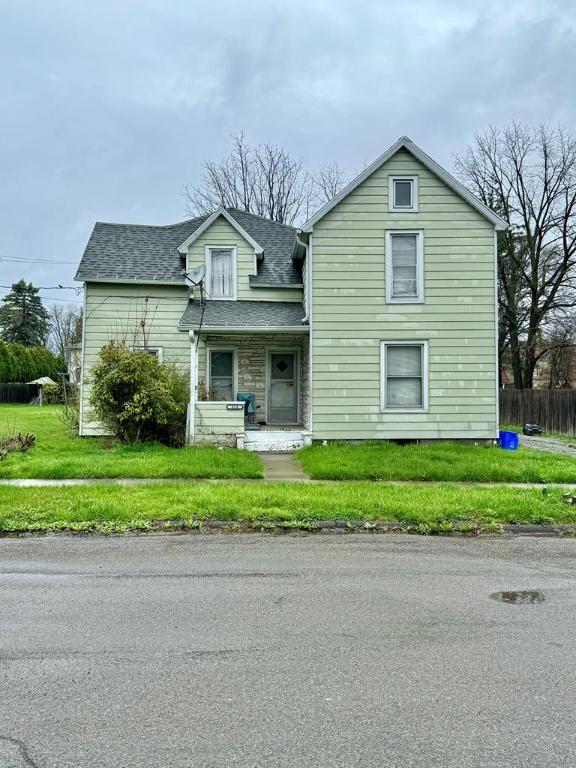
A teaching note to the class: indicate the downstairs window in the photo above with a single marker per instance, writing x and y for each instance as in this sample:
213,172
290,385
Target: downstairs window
404,372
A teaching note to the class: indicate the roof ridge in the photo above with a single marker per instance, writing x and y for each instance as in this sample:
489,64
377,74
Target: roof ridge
264,218
151,226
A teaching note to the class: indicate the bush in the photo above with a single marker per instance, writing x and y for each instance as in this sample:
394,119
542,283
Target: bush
60,393
18,443
21,364
51,394
69,415
139,398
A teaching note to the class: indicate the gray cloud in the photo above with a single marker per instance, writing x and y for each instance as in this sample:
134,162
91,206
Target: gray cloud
109,108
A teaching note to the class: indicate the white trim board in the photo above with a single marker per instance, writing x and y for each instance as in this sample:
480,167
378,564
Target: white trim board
405,143
183,249
248,329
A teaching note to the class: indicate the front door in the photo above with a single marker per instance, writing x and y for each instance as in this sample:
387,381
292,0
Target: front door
283,388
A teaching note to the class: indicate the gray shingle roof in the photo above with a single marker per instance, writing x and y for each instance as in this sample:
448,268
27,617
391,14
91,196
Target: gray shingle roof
141,253
242,314
136,253
278,241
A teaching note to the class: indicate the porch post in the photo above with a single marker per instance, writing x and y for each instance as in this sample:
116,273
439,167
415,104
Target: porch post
192,406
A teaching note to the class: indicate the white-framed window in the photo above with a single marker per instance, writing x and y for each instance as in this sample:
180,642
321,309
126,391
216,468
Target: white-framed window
221,272
405,266
222,373
154,351
403,193
404,376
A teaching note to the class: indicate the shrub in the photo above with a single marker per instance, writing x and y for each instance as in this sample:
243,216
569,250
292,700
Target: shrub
21,364
69,414
51,394
139,398
18,443
60,393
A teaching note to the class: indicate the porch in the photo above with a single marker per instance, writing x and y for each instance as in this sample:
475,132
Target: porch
252,389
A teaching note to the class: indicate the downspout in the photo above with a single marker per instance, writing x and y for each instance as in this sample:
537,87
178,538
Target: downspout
192,404
82,364
307,267
308,319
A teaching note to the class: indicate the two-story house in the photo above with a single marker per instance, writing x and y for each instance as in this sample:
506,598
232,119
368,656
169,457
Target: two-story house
377,319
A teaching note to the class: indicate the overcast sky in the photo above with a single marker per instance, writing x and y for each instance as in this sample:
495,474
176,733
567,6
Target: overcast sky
108,107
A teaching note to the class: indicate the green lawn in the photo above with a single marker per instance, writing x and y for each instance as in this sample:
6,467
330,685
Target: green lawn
433,507
434,462
58,456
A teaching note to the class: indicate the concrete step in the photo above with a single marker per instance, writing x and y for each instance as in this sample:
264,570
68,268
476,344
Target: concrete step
279,441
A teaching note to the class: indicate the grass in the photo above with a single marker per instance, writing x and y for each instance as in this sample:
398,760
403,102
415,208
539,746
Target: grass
434,507
58,456
435,462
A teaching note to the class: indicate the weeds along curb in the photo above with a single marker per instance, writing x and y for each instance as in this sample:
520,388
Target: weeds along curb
462,528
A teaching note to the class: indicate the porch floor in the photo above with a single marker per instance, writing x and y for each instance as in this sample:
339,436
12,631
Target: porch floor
279,428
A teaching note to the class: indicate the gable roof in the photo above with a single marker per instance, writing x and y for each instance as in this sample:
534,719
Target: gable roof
183,247
135,253
150,254
405,143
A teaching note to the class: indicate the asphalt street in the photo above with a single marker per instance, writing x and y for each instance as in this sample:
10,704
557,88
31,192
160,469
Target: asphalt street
323,651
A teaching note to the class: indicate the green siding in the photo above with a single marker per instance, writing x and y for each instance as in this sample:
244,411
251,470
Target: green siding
220,234
114,311
350,316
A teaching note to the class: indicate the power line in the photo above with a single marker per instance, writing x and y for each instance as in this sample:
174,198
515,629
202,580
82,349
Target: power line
36,261
76,288
66,301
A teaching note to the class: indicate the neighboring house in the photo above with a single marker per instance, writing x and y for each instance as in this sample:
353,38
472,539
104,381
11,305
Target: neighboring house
73,357
375,320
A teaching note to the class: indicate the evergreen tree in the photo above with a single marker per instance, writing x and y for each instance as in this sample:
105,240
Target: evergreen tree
23,319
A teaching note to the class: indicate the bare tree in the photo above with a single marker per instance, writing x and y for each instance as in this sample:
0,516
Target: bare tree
65,327
528,176
556,368
264,180
328,182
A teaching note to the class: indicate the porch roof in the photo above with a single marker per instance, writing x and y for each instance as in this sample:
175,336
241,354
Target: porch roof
238,315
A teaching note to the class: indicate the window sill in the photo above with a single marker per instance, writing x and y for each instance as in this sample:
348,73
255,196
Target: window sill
404,410
416,300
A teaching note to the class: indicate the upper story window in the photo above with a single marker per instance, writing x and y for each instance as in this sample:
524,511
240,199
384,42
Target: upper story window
403,194
404,266
221,269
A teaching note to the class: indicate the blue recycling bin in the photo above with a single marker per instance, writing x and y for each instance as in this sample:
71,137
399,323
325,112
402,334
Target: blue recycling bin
508,440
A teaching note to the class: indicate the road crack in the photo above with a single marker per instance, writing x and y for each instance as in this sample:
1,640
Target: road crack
22,751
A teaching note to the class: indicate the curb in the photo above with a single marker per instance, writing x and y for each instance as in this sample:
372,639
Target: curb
460,529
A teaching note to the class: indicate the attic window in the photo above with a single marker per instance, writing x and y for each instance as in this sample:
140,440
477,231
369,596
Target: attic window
403,193
220,263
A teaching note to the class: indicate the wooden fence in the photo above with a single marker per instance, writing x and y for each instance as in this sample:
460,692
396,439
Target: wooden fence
18,393
553,409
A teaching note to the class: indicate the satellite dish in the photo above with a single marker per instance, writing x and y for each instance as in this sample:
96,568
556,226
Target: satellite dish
197,275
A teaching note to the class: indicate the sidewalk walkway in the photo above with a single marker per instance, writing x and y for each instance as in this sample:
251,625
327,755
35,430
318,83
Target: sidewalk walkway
282,468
